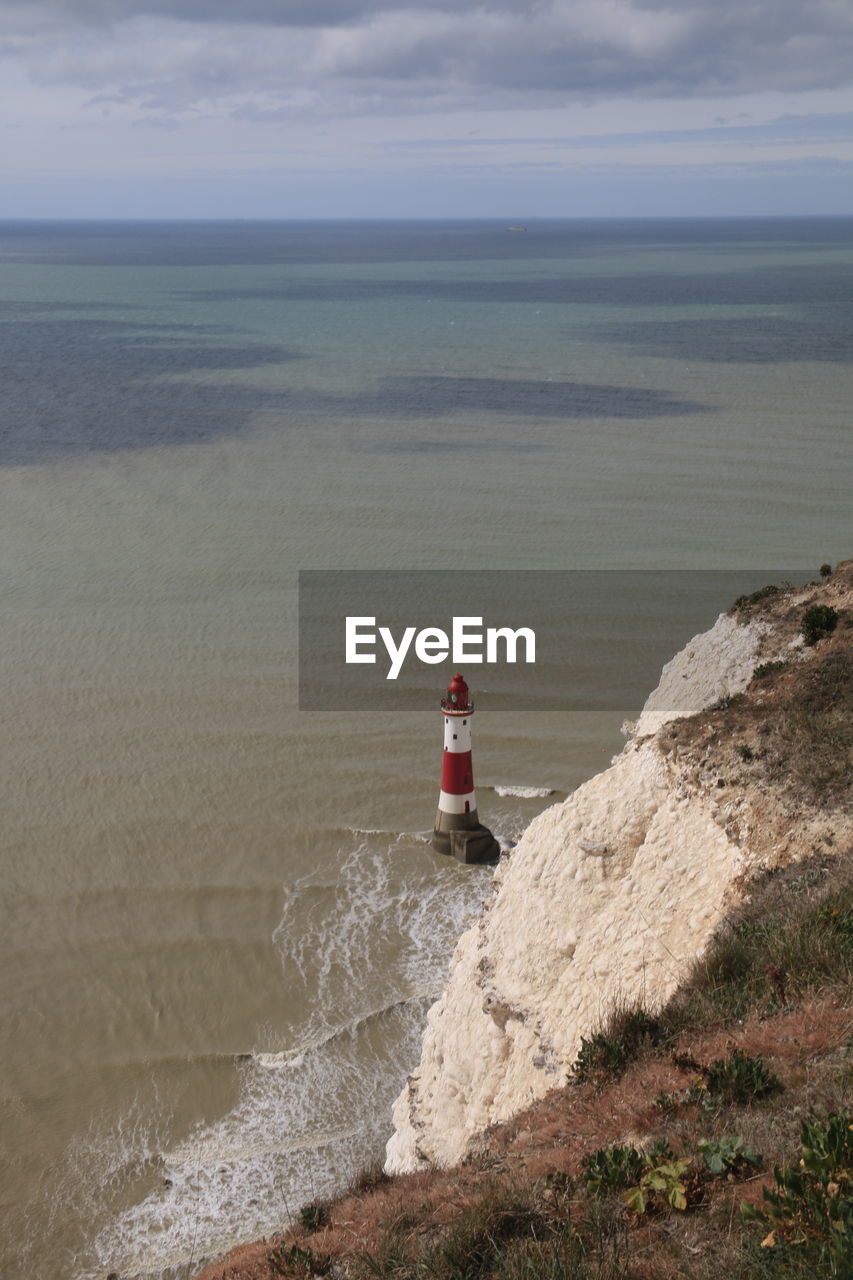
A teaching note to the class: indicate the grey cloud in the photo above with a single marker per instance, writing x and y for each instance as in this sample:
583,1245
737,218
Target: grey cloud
273,13
710,46
384,57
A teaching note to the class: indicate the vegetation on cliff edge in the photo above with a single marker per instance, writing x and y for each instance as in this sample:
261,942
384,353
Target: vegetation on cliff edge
715,1134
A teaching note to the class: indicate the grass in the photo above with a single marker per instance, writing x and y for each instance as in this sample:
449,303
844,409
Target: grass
793,724
503,1221
669,1208
794,939
797,719
291,1260
815,725
628,1214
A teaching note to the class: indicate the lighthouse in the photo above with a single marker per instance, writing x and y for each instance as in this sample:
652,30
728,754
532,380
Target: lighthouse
458,830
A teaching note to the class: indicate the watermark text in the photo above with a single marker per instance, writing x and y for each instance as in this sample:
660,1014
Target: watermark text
467,642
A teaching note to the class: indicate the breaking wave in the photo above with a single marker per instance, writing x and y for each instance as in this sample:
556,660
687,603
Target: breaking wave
370,952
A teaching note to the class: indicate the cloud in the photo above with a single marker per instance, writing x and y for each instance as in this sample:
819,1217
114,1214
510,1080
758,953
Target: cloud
272,13
305,91
342,56
597,47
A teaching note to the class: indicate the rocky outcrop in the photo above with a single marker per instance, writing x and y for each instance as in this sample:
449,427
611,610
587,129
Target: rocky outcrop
609,897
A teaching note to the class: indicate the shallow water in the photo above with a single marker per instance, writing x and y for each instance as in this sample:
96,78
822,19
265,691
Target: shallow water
222,925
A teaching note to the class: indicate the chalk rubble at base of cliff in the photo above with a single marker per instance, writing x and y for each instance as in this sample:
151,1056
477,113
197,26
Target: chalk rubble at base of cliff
607,900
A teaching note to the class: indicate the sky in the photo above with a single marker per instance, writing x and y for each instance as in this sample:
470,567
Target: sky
436,108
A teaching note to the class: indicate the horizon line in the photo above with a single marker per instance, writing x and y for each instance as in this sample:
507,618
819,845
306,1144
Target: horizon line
514,222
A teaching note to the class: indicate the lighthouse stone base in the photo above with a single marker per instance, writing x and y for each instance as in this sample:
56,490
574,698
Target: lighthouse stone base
463,837
474,846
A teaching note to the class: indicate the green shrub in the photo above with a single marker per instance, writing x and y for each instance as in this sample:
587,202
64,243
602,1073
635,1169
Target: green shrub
600,1054
314,1216
745,752
660,1186
827,1146
818,621
740,1078
607,1053
727,1155
636,1027
744,602
765,669
612,1168
810,1210
825,570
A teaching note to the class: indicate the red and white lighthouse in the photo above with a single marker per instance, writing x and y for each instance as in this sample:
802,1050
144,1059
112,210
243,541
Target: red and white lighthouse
457,827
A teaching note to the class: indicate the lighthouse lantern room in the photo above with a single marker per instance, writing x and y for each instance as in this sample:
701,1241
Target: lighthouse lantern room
458,830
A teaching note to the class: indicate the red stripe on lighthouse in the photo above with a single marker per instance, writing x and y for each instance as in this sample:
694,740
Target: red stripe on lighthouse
457,774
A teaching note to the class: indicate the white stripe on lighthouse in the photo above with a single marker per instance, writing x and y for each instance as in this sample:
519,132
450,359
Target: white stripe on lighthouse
456,804
457,733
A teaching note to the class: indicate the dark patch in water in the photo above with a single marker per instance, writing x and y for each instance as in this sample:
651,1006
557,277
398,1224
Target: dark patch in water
431,397
827,336
75,386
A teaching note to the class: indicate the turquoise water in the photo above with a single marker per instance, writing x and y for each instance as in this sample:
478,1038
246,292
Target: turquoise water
222,923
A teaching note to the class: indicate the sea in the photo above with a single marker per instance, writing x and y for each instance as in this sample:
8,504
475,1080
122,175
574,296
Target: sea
222,920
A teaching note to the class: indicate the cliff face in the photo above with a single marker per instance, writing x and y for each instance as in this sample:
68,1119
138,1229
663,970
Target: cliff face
610,896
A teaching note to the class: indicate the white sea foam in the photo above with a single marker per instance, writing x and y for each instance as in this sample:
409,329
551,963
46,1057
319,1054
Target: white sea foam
370,953
98,1167
525,793
381,831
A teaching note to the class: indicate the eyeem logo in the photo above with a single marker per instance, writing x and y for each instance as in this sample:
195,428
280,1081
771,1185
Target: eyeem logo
537,639
432,645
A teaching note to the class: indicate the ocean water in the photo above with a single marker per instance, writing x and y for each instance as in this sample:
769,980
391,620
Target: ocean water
222,921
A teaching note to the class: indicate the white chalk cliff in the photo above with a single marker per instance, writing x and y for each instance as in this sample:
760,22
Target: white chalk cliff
608,897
